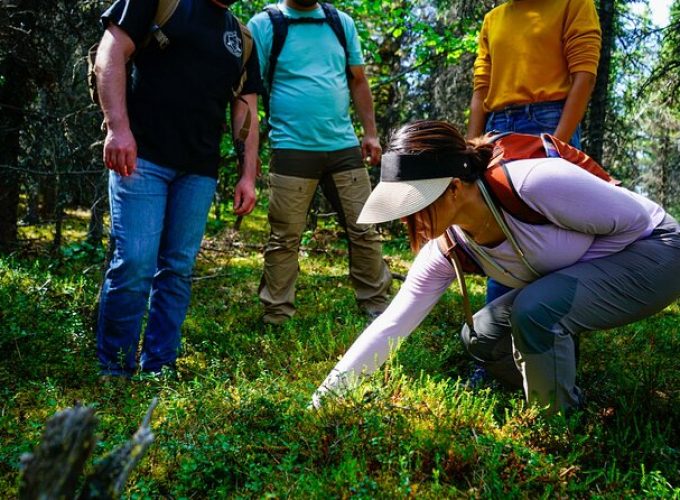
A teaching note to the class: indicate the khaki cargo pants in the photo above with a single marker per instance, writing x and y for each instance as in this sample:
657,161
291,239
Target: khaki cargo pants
293,179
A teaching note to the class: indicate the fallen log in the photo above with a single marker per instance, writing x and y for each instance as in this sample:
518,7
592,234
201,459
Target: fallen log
55,467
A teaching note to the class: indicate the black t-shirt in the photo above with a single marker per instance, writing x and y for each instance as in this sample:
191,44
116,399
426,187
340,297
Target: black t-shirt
177,96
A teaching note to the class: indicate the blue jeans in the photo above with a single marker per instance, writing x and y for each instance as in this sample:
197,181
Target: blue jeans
534,118
158,216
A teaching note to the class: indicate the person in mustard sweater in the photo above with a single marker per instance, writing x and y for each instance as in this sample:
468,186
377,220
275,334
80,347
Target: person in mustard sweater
535,70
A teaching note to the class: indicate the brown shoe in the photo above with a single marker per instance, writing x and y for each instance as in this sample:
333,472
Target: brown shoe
274,319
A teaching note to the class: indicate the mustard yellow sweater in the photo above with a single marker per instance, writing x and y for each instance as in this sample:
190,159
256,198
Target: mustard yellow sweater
528,50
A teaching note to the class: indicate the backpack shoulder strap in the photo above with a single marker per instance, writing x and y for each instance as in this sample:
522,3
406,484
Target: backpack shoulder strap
461,262
241,135
333,18
246,51
503,193
279,34
508,147
247,38
164,11
504,227
335,23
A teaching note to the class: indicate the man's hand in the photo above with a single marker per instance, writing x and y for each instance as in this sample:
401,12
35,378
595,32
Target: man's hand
120,151
244,193
244,196
370,148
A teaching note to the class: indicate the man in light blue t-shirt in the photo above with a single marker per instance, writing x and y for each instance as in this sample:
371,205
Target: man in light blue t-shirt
313,142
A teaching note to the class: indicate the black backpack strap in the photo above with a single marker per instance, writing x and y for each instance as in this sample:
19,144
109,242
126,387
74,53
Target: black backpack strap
333,18
279,33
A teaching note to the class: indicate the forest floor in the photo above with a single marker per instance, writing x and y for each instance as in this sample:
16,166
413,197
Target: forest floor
234,421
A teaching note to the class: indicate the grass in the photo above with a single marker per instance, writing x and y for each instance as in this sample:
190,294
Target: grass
235,421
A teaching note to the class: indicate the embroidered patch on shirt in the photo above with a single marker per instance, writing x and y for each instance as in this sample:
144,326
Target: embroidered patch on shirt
233,43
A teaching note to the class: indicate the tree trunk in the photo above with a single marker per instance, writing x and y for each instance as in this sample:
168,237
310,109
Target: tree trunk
95,229
16,93
12,98
600,99
9,205
58,219
664,188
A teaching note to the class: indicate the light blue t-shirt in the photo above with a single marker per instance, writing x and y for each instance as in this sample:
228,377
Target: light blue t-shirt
309,101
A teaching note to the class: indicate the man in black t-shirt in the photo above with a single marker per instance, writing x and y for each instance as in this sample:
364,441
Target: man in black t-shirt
164,126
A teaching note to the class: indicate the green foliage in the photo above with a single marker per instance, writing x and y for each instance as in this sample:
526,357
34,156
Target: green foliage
642,125
666,73
234,422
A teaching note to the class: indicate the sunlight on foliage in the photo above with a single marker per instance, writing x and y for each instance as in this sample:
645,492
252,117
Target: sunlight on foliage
234,419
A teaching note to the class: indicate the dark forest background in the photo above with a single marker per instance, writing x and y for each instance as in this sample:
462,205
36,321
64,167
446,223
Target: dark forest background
419,56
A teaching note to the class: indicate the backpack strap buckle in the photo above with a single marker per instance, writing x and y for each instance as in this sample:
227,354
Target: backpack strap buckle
160,37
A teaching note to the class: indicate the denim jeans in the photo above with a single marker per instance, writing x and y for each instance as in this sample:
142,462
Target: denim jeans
534,118
537,118
158,216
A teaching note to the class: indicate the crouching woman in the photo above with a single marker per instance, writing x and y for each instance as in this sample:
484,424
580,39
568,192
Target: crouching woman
602,257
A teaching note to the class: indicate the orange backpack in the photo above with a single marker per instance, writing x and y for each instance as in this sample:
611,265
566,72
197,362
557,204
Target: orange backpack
512,146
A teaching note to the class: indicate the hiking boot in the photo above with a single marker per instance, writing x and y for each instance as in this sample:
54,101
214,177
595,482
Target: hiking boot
274,319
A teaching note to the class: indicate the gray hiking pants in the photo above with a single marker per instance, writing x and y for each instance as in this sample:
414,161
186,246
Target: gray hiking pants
293,180
525,338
